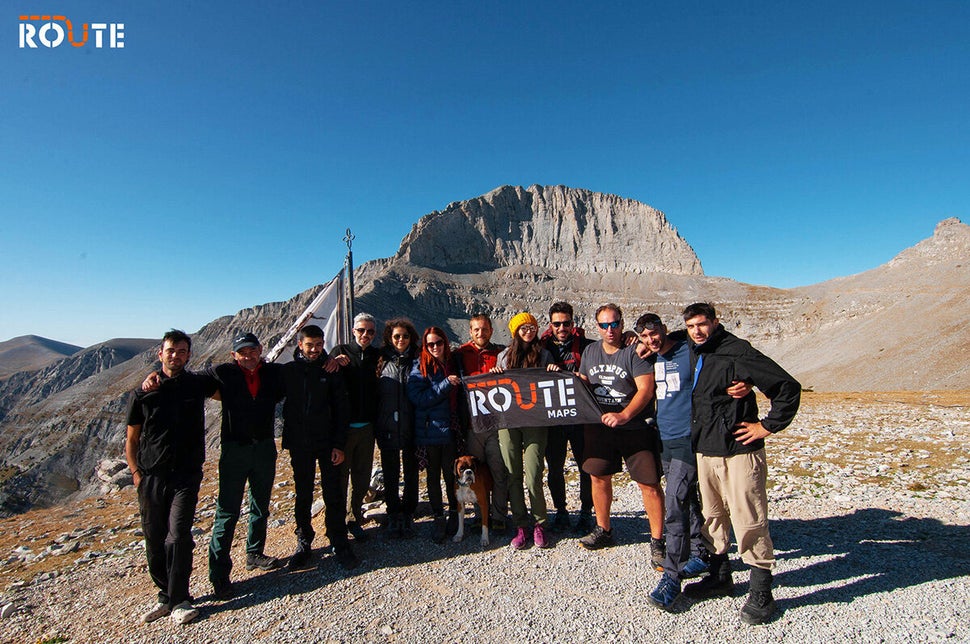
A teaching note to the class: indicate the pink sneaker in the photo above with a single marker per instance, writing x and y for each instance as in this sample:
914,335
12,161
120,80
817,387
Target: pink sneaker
539,536
520,541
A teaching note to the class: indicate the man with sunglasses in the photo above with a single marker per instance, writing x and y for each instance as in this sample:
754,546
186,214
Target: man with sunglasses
623,386
566,344
358,366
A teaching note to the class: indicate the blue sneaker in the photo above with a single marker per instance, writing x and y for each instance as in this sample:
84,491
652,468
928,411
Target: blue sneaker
666,592
695,567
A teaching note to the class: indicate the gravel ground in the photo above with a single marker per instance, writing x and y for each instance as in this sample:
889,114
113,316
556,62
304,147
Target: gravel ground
865,554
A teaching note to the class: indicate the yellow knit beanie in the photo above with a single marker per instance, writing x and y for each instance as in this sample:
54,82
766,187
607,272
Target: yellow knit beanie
519,320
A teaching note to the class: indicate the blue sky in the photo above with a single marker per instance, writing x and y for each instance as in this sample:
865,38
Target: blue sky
215,162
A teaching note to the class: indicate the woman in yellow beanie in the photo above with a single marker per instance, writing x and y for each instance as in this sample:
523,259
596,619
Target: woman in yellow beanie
524,448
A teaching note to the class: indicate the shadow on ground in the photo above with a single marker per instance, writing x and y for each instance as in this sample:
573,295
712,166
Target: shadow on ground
865,552
379,551
868,551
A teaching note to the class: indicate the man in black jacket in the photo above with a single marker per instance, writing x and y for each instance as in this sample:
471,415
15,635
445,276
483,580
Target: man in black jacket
249,389
316,415
165,449
728,436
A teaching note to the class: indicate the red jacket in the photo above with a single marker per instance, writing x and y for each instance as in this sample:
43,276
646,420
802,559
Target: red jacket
473,361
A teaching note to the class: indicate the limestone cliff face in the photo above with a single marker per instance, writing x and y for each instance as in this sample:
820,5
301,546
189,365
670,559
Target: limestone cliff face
949,247
549,227
517,249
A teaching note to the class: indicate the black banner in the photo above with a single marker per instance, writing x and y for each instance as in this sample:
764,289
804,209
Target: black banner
528,398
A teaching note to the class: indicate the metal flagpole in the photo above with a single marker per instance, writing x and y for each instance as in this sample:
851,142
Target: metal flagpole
349,262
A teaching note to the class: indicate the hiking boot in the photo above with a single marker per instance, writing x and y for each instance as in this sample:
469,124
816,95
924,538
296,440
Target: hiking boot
497,526
560,522
392,528
666,592
598,538
256,560
658,552
407,527
357,532
584,523
520,541
184,613
161,610
718,583
451,527
438,532
346,558
302,557
222,589
710,587
695,567
760,605
539,536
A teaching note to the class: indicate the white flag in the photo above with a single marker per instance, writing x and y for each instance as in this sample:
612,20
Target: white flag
326,311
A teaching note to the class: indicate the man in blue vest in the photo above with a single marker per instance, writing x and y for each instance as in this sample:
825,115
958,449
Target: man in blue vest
686,555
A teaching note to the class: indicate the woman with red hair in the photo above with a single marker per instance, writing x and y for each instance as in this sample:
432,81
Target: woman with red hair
433,387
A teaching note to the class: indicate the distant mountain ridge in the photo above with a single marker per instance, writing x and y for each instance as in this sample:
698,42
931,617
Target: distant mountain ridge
517,249
30,352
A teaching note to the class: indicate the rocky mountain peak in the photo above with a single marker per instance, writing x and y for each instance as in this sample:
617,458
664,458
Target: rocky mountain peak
950,244
948,226
551,227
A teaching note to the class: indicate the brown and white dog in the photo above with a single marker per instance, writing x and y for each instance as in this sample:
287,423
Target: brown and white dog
473,484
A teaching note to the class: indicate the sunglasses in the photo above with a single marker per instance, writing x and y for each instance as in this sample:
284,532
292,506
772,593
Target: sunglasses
432,345
529,327
398,336
565,323
615,324
365,331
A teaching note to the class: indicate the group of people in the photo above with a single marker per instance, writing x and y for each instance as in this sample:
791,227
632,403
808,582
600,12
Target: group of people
679,405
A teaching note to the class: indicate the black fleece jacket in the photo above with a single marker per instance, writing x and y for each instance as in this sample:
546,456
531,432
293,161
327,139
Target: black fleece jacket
247,418
715,414
394,429
316,413
361,379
